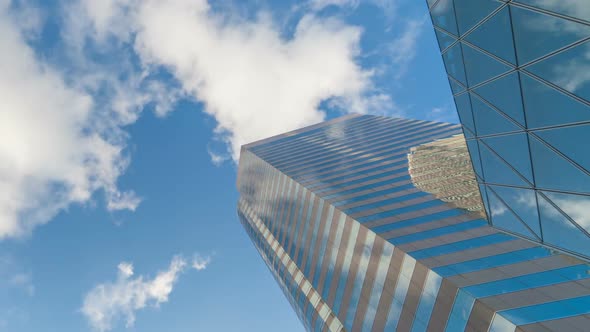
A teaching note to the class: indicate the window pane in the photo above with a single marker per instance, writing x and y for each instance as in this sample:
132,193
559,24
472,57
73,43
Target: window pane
515,150
571,141
480,67
504,94
453,60
497,171
573,8
463,104
443,15
577,207
495,35
489,121
470,12
503,218
444,40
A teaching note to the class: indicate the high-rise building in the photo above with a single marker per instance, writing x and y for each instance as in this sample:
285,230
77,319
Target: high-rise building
519,71
371,223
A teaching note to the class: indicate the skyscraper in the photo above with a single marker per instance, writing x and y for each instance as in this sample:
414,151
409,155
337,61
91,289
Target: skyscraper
371,223
519,73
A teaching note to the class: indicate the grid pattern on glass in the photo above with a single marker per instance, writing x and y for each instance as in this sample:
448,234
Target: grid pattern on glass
518,72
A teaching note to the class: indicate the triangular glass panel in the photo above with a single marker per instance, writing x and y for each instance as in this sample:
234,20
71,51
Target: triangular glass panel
571,141
572,8
484,198
470,12
554,172
538,34
559,231
456,87
474,154
443,16
444,40
545,106
489,121
523,203
504,93
468,133
480,67
464,109
503,218
453,59
497,171
514,149
430,2
495,36
577,207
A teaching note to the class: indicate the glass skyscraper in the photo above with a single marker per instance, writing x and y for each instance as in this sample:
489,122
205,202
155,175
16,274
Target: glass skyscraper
371,223
519,71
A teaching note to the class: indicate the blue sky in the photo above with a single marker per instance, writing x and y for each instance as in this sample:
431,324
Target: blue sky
121,124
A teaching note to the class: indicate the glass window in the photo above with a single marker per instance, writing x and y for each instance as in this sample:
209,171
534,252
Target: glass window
559,231
548,311
359,280
418,220
470,12
344,269
538,34
461,245
523,203
577,207
455,86
504,94
474,154
568,70
398,211
571,141
495,35
497,171
488,120
427,300
444,40
399,296
573,8
443,15
480,67
453,59
460,312
545,162
463,104
504,218
545,106
421,235
514,149
377,289
501,324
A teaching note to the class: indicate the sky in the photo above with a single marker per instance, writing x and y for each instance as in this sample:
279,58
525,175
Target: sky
121,124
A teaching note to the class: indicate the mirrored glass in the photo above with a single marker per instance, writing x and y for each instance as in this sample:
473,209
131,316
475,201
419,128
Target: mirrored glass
523,202
443,16
495,35
545,106
497,171
463,104
514,149
504,94
489,121
455,86
474,154
545,165
502,217
577,207
484,198
480,67
568,70
549,311
460,312
444,40
559,231
538,34
571,141
573,8
453,59
470,12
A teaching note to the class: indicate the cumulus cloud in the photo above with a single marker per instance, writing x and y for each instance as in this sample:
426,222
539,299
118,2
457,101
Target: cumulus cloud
108,303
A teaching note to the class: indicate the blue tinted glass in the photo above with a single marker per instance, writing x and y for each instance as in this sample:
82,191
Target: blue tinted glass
545,162
394,212
372,195
484,198
567,70
444,40
427,300
523,203
545,106
385,202
455,86
416,221
323,244
504,218
577,207
369,186
377,287
438,232
571,8
538,34
463,104
501,324
470,12
549,311
489,121
344,269
479,67
474,154
443,15
461,245
504,94
497,171
453,60
515,150
332,261
399,296
460,312
359,280
559,231
568,141
495,35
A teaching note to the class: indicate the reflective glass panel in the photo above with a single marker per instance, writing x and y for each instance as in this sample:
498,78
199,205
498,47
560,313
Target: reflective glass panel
515,150
548,311
545,164
573,8
460,312
571,141
464,109
480,67
538,34
470,12
577,207
444,40
443,15
497,171
489,121
503,218
545,106
474,154
504,93
456,87
559,231
523,202
453,59
495,35
568,69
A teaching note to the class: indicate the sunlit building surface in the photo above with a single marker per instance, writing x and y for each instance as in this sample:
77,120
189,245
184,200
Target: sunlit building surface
520,74
371,223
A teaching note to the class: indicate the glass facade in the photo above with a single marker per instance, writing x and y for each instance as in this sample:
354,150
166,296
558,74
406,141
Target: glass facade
371,223
519,71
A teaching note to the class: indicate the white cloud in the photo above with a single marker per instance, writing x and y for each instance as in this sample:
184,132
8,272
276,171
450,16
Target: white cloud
110,302
321,4
403,48
201,262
